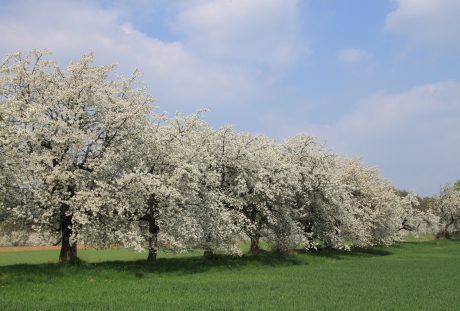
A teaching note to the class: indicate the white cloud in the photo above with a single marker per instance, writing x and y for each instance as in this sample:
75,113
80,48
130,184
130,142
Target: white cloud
258,31
231,49
427,21
412,136
72,28
352,56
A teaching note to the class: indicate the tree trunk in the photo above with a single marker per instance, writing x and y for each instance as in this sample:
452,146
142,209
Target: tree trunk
254,249
208,253
153,241
443,234
153,250
255,234
309,236
68,252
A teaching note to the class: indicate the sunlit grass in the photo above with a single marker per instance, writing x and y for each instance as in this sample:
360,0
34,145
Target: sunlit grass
408,276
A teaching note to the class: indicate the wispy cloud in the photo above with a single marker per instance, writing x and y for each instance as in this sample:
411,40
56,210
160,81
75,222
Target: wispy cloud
426,21
176,71
264,32
352,56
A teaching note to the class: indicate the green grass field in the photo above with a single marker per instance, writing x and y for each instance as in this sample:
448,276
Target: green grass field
409,276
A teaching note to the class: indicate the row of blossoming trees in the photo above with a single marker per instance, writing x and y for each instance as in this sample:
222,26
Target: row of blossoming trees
85,160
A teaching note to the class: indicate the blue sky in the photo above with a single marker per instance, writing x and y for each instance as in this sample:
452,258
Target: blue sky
376,79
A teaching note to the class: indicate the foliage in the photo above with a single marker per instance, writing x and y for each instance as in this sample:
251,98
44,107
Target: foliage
457,185
447,208
66,132
85,160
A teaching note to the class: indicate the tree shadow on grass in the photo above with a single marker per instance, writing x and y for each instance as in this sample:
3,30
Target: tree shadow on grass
188,264
402,245
183,265
52,272
356,252
44,273
198,264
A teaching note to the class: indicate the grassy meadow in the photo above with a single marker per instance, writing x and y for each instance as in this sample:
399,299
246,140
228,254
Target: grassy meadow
415,275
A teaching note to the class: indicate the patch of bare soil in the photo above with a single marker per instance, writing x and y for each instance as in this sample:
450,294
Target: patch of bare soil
36,248
27,248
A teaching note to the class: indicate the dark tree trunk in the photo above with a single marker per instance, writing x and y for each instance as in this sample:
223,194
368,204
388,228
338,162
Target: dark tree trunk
254,236
309,236
254,249
443,234
68,252
154,229
208,253
153,241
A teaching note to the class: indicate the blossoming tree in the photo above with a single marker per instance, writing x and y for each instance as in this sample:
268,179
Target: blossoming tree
84,159
447,208
158,186
68,128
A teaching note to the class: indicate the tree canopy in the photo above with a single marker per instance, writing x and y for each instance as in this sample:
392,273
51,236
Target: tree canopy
85,159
